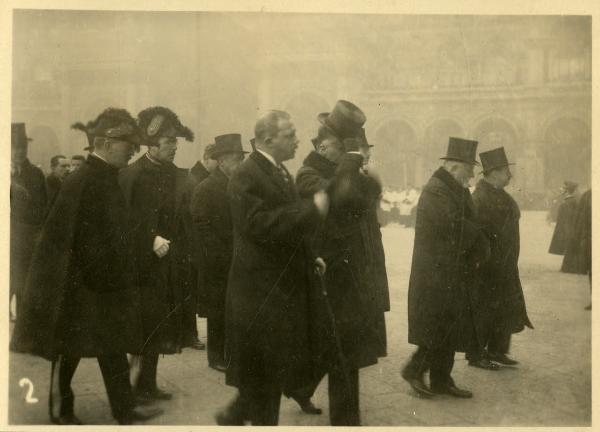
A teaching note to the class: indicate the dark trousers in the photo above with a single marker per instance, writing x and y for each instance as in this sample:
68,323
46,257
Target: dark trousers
115,373
496,342
258,406
215,339
148,370
439,362
343,393
190,328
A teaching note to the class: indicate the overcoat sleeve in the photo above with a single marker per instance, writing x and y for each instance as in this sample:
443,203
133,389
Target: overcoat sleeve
309,181
205,216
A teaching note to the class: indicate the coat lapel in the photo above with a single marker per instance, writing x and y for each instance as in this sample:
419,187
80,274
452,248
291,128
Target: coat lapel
273,173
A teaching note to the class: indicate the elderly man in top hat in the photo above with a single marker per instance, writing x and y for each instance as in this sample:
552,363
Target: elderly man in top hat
350,320
154,188
448,247
267,315
501,304
27,209
81,298
211,219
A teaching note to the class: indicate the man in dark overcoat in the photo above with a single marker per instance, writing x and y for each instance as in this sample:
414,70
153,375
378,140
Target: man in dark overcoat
27,210
154,188
448,246
565,219
211,218
198,173
345,243
266,314
583,235
81,297
501,300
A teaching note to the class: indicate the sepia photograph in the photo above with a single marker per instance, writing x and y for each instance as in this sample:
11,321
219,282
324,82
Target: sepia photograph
299,218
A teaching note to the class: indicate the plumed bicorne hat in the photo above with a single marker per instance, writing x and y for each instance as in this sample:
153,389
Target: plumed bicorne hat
111,123
159,122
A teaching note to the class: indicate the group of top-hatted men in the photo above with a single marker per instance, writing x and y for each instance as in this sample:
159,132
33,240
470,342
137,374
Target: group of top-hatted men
293,270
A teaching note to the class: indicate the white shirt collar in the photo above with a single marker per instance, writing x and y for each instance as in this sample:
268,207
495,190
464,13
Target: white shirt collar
99,157
269,157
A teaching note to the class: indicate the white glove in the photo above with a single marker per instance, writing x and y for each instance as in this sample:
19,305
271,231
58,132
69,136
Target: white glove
161,246
321,200
320,266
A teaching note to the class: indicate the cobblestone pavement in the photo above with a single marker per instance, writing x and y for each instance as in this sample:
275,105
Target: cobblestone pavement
550,387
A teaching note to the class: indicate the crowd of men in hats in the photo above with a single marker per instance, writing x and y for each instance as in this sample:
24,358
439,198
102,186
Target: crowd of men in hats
289,271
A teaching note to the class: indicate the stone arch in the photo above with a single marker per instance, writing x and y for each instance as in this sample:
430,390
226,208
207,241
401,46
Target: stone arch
567,152
397,154
44,145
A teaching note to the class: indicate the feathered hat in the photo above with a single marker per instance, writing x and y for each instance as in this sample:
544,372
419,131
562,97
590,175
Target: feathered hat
159,122
111,123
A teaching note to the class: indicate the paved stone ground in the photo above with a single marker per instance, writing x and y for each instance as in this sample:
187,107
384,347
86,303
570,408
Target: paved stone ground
551,386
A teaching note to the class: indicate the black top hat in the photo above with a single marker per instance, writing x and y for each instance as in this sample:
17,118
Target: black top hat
493,159
461,150
159,122
345,120
228,143
18,136
253,143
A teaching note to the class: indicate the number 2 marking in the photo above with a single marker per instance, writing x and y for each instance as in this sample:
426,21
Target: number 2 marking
29,396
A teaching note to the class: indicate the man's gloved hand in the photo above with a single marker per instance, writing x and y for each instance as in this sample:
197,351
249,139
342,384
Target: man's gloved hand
161,246
321,200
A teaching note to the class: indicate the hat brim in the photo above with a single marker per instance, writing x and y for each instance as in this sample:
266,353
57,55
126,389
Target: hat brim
220,153
483,171
474,163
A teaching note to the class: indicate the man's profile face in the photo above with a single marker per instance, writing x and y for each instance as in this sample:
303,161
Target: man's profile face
167,148
18,154
119,153
464,173
331,148
285,143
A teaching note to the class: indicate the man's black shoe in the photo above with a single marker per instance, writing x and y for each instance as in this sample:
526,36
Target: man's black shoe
218,367
307,406
502,359
224,418
155,394
67,419
139,414
484,364
453,391
417,384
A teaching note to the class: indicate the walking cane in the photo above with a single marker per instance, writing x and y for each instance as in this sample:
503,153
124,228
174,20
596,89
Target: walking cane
338,344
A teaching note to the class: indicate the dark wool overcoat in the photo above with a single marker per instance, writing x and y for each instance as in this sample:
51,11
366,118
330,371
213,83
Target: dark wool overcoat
578,256
501,303
345,241
266,316
154,193
27,211
211,218
81,297
565,225
197,174
447,247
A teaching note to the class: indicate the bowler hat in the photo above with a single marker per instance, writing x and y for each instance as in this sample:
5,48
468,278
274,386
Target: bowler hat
159,122
493,159
228,143
461,150
18,136
345,120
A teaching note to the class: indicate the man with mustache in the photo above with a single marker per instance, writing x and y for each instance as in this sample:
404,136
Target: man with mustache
154,188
